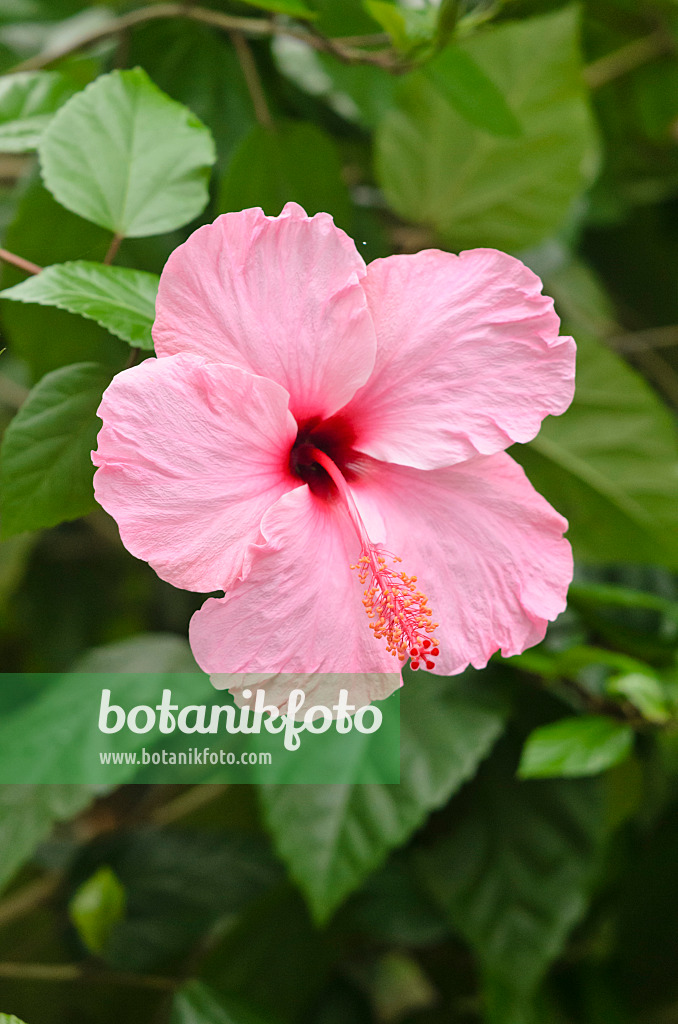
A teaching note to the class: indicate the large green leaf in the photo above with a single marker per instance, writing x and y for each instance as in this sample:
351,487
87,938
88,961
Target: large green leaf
472,93
28,101
45,464
583,745
473,188
515,873
178,884
610,464
27,814
124,155
331,837
196,1004
120,299
292,161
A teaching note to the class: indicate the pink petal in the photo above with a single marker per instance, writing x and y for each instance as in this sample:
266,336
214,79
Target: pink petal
468,358
320,688
300,609
191,455
279,296
487,551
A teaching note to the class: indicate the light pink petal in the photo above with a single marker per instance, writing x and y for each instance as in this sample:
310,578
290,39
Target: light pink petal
320,688
279,296
300,609
487,551
190,456
468,358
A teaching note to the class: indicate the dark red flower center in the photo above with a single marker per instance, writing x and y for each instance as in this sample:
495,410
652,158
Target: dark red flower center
335,437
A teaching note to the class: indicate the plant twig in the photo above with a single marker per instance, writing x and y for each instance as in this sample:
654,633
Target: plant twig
116,241
28,898
249,27
627,58
252,79
76,972
20,262
186,803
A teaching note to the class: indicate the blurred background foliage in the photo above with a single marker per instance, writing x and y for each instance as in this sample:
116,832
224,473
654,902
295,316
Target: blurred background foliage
524,871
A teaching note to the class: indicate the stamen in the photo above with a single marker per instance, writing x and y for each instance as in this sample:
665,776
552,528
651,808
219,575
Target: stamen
398,609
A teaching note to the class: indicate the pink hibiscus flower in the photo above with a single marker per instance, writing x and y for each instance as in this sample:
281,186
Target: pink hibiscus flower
324,442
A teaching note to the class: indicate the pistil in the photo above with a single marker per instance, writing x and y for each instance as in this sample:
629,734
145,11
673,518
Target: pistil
398,610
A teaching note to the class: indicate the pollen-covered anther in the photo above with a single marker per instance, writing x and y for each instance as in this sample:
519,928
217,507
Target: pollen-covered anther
398,611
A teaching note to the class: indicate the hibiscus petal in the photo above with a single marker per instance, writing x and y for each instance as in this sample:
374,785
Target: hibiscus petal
487,550
300,609
468,358
279,296
190,456
320,688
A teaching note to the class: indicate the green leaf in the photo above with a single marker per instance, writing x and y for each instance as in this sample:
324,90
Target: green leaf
96,907
197,1004
331,837
584,745
119,299
391,19
514,875
645,692
294,8
45,463
411,30
27,814
472,93
610,464
153,156
285,979
27,102
293,161
178,885
475,189
9,1019
14,554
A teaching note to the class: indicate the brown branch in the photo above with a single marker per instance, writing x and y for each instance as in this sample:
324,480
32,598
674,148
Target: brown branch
31,896
76,972
252,80
187,802
640,341
627,58
20,262
249,27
